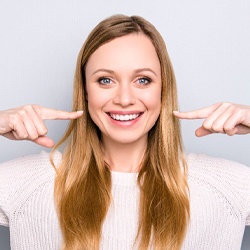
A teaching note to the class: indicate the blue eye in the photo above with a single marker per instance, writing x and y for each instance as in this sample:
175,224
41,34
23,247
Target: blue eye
144,81
104,81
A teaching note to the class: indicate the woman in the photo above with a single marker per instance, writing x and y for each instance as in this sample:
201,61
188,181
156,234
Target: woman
123,181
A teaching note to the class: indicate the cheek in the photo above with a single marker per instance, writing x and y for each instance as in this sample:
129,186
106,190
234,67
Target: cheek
96,101
93,106
94,111
154,106
152,100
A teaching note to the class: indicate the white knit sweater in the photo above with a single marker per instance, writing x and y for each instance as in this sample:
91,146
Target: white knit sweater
219,196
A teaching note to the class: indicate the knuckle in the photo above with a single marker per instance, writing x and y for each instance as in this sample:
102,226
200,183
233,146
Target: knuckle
224,105
206,125
14,119
22,112
23,136
217,128
43,131
35,107
232,108
229,132
27,107
240,112
33,136
228,129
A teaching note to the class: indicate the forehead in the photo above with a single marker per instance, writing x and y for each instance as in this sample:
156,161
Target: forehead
127,52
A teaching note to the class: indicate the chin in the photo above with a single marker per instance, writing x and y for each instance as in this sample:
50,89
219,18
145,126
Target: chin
128,140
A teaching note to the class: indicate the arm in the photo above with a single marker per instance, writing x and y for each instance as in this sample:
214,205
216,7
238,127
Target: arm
225,118
27,123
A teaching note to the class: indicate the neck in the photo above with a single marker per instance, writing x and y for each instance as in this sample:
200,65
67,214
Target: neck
124,157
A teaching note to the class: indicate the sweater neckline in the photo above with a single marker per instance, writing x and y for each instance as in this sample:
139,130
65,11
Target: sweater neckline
124,179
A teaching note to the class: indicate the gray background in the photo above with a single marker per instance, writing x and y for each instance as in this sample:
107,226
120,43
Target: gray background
208,42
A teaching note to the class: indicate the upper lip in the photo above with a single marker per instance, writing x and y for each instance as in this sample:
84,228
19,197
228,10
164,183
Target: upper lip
119,112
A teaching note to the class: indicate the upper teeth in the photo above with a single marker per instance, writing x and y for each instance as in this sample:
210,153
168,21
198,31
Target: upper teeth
124,117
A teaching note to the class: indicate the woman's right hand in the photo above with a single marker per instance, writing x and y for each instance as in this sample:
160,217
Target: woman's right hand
27,123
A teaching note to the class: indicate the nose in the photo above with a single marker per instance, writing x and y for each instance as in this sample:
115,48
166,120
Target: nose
124,95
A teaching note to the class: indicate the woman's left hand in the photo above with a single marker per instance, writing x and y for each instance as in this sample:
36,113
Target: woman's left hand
225,118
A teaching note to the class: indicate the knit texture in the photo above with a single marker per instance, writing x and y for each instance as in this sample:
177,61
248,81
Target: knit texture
219,199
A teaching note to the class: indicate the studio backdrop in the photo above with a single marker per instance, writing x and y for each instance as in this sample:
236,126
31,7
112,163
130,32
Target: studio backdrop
208,42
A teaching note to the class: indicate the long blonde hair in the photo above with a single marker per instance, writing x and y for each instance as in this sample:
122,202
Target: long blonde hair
83,181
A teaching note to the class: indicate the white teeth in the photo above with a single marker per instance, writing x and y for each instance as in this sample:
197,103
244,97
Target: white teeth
124,117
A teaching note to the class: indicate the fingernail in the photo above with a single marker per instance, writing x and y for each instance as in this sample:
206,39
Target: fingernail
79,111
176,112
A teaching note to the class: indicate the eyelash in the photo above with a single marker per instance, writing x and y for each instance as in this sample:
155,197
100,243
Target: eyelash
148,80
102,80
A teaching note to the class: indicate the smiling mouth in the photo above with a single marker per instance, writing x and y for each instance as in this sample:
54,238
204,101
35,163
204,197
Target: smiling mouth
127,117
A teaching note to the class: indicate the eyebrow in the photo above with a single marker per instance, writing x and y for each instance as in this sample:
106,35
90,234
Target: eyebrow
113,72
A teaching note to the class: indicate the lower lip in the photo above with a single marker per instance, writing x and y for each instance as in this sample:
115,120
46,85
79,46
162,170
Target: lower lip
125,123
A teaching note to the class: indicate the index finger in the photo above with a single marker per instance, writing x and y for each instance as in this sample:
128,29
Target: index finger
198,113
54,114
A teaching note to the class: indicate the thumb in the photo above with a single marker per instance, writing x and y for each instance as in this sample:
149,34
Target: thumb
201,131
44,141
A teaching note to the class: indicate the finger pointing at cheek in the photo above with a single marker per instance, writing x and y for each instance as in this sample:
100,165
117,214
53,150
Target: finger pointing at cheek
225,118
27,123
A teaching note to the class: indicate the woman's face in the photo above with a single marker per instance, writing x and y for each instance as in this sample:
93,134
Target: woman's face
123,83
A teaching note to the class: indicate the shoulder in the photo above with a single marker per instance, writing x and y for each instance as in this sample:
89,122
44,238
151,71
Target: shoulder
20,177
25,167
220,186
200,164
223,177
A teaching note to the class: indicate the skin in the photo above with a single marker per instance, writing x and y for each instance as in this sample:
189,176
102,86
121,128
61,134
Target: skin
225,118
123,77
124,143
27,123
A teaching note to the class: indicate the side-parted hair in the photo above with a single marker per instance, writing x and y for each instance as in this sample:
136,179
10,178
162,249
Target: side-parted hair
83,180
